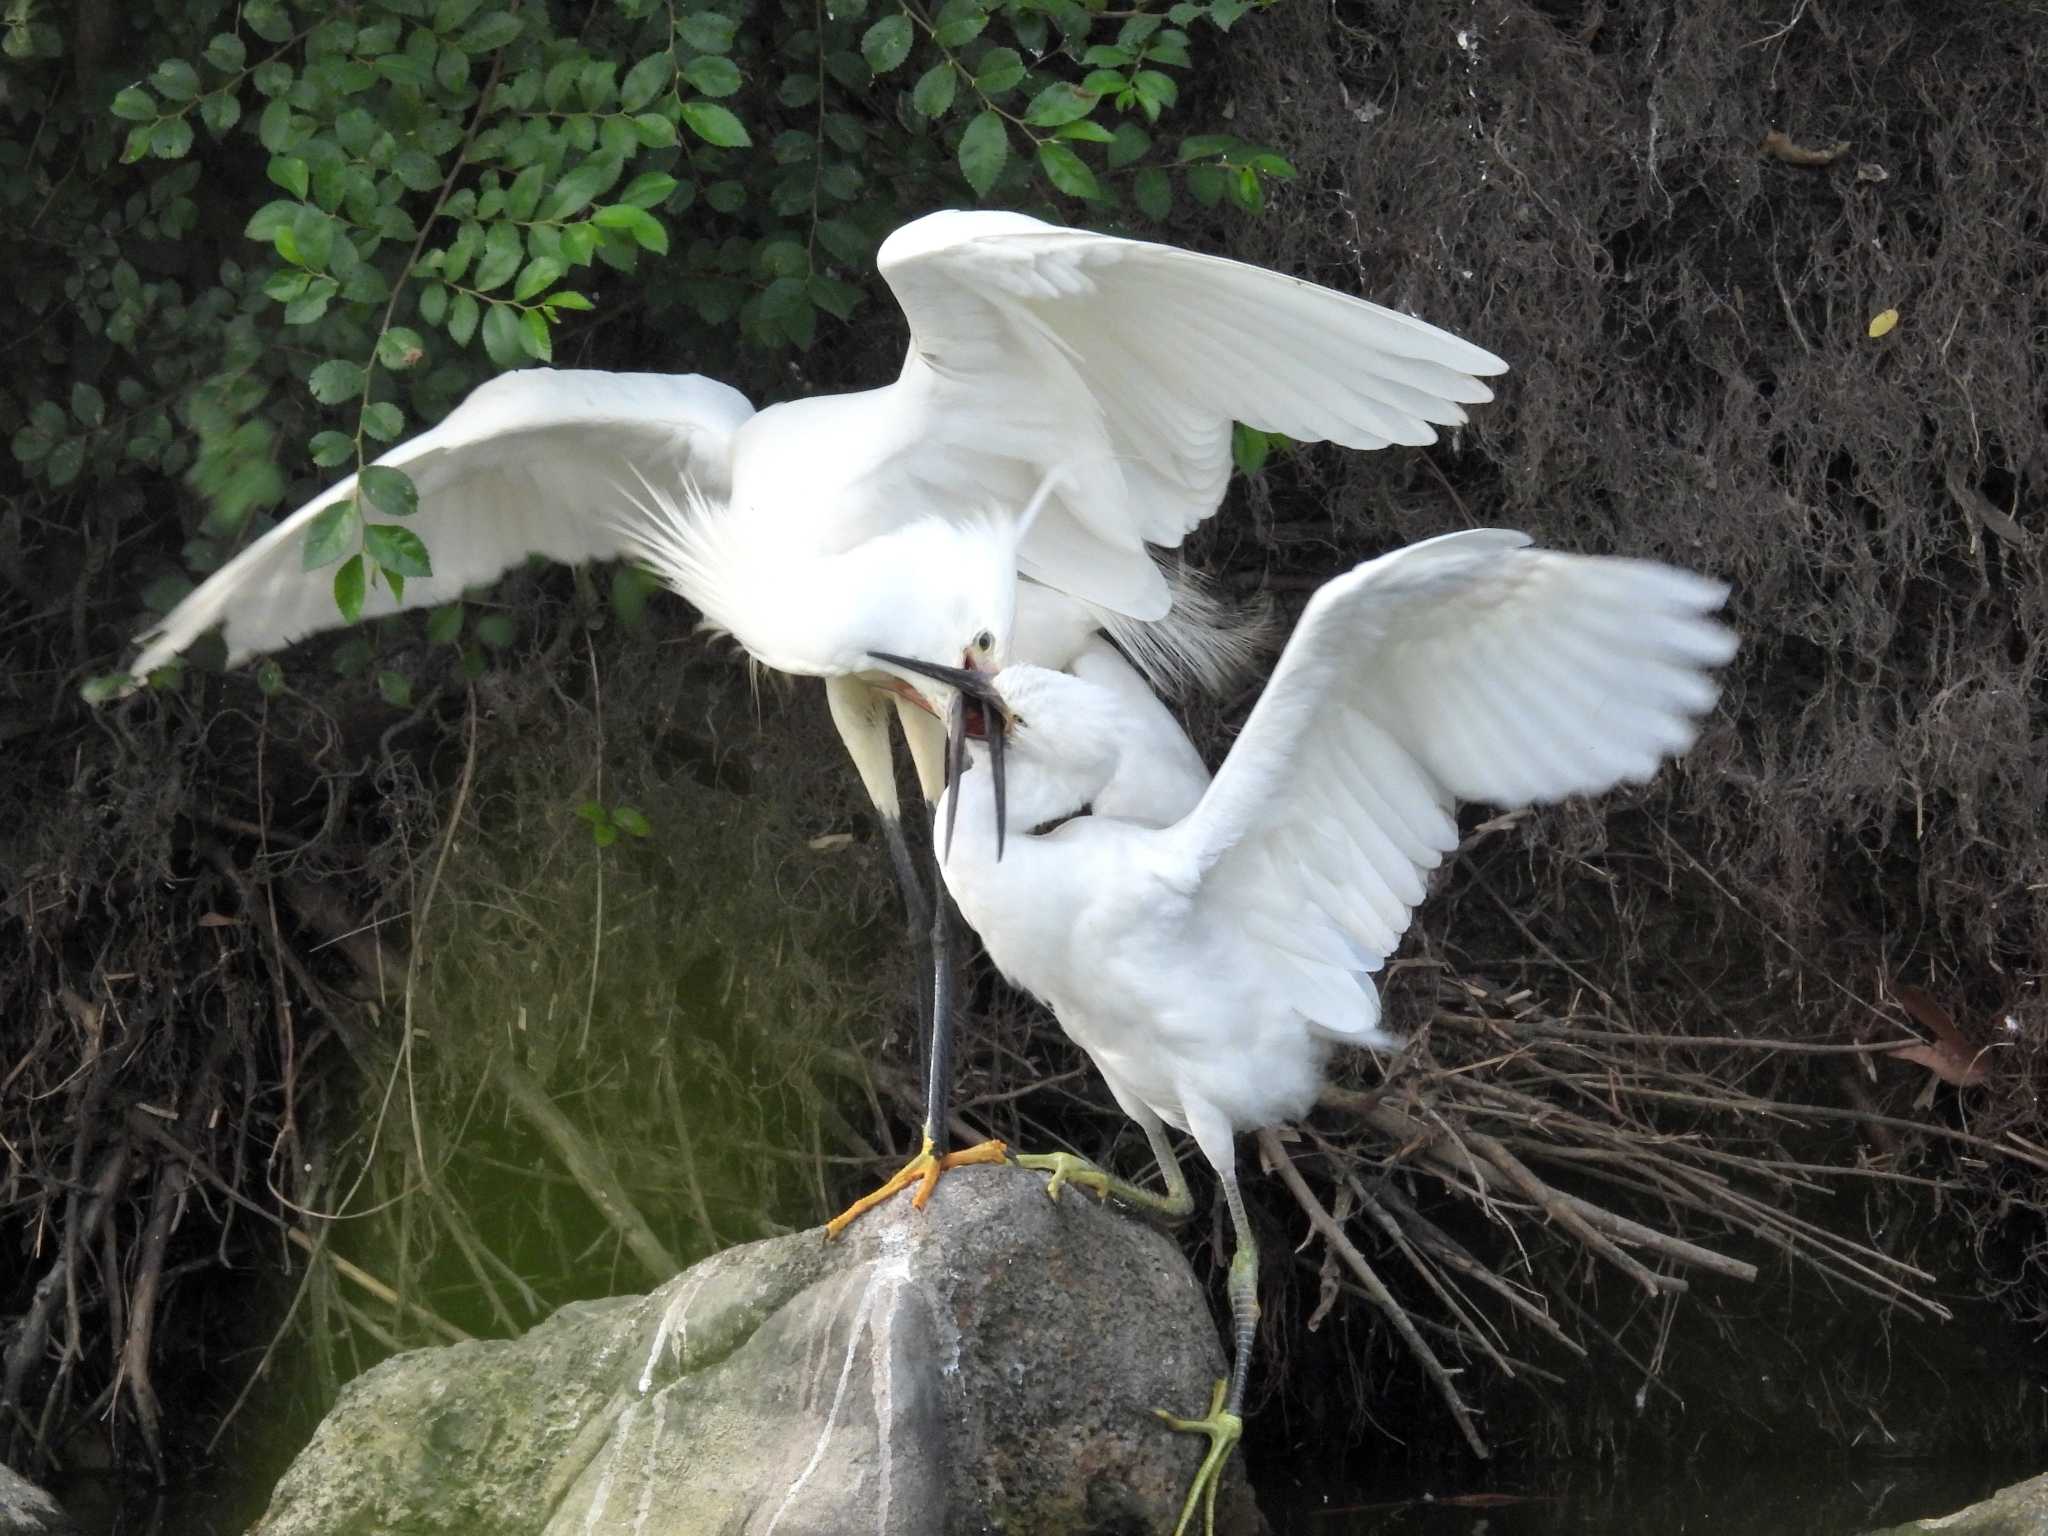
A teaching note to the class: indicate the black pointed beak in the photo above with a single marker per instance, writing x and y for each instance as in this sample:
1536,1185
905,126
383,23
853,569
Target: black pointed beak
966,684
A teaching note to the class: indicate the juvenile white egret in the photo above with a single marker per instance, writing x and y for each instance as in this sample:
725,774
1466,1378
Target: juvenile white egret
826,533
1207,967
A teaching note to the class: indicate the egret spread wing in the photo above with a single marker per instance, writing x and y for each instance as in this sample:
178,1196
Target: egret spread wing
1128,361
536,462
1467,667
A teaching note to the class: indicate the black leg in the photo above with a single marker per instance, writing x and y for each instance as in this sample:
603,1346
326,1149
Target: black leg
918,913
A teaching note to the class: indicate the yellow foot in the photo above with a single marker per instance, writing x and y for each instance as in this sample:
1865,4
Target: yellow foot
1066,1169
1223,1430
922,1170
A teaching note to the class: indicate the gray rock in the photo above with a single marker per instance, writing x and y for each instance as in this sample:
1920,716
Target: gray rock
986,1366
25,1510
2021,1510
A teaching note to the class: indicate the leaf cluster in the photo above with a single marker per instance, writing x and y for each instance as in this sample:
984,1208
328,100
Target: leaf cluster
303,232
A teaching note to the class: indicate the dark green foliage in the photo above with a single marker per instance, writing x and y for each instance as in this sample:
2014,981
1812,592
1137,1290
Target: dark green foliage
305,232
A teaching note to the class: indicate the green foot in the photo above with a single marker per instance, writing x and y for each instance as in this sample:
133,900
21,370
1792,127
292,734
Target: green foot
1066,1169
1223,1430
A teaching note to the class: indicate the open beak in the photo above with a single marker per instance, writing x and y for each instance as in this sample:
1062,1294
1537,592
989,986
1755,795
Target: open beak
968,686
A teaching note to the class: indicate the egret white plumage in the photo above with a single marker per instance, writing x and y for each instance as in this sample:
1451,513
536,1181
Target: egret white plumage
1209,966
833,535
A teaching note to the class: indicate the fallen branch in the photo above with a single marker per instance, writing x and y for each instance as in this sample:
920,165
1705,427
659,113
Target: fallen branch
1382,1298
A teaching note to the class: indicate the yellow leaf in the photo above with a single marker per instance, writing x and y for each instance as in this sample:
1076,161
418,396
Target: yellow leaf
1882,322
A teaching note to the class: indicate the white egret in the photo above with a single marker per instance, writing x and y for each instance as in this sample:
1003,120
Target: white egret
828,533
1209,966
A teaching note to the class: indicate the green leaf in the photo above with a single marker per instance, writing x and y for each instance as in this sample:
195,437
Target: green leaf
501,336
630,821
540,273
708,31
495,630
574,192
269,678
398,550
490,31
404,69
1087,131
66,460
463,315
220,112
227,52
534,336
782,258
396,688
1066,171
134,104
450,14
331,535
331,448
1001,70
646,80
1248,447
1154,192
565,298
171,138
654,131
715,125
275,128
523,196
266,18
1060,102
444,625
400,348
502,252
959,23
348,588
383,421
983,149
631,587
175,80
289,172
713,74
643,226
648,191
933,93
887,43
1128,145
335,380
417,169
88,404
312,237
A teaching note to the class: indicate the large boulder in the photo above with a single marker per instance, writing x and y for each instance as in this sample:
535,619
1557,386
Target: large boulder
987,1365
2021,1510
25,1510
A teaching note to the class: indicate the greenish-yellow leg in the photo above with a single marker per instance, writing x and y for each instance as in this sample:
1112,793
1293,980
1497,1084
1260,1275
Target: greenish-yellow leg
1224,1423
1176,1204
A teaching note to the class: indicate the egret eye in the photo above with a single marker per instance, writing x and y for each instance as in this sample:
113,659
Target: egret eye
985,641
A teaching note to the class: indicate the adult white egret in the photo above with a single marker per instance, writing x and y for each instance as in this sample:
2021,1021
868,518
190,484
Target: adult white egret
1208,967
834,534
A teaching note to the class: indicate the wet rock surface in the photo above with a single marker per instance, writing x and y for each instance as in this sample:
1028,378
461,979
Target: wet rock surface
25,1510
2018,1510
987,1365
